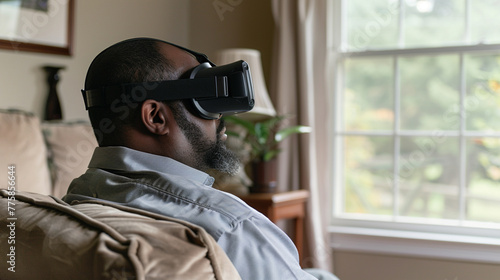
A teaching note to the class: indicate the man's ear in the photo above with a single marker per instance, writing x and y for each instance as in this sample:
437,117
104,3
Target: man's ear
156,116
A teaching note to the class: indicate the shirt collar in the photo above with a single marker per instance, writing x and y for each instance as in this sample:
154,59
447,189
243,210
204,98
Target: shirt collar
126,159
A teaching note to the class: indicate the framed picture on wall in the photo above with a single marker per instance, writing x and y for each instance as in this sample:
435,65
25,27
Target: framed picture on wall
43,26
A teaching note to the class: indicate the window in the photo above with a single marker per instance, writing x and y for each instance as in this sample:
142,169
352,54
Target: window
417,129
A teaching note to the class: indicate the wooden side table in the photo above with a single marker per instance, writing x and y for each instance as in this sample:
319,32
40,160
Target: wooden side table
284,205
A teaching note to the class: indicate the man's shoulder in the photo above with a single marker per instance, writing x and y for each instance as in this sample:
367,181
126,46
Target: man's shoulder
166,194
208,198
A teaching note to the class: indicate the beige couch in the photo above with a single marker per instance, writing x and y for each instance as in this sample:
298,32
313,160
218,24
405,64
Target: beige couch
42,237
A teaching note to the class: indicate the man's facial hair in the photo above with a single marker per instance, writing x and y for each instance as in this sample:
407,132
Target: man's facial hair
210,155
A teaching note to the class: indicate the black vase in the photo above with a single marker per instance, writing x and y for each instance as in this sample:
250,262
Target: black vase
52,106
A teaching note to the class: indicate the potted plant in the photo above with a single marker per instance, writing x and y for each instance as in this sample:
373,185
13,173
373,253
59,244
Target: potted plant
263,138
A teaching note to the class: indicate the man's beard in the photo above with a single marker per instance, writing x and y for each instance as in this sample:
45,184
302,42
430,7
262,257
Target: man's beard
209,154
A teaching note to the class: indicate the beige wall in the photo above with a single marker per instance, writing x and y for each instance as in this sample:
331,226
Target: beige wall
247,24
97,25
361,266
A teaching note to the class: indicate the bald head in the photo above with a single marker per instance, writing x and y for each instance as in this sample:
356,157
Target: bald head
132,61
135,61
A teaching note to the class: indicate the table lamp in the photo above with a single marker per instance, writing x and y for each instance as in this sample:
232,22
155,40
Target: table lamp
263,106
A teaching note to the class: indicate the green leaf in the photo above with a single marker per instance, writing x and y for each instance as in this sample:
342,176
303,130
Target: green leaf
234,134
264,136
249,126
284,133
270,155
273,122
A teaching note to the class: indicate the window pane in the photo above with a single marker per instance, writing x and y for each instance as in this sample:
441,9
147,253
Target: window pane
430,23
484,21
483,92
429,92
371,24
368,166
483,179
429,168
391,99
368,96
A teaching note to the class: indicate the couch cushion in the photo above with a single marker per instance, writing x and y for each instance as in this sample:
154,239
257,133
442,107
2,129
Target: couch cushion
99,240
22,144
70,147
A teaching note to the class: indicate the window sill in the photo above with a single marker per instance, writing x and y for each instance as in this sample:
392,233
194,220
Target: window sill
416,244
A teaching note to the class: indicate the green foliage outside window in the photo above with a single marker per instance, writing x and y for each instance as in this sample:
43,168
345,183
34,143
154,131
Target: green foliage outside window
432,108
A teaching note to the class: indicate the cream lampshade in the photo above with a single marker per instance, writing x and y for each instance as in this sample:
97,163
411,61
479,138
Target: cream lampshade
263,106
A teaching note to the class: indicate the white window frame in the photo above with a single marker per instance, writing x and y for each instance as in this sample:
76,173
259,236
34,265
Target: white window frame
452,240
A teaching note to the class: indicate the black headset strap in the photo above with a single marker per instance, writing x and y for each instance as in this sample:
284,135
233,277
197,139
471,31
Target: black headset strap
198,88
160,91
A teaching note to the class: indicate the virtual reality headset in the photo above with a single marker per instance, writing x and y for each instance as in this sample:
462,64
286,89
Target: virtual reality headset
211,90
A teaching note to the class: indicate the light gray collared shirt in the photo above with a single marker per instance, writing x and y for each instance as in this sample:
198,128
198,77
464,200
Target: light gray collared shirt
258,249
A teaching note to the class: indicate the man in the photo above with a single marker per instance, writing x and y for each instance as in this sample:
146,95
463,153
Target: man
154,154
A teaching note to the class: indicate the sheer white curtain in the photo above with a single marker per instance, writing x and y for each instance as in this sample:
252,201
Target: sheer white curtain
299,88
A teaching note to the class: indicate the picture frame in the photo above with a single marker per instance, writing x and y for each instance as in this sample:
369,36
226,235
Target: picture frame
41,26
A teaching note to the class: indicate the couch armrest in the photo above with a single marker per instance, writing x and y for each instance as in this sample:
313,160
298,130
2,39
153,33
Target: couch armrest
97,240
